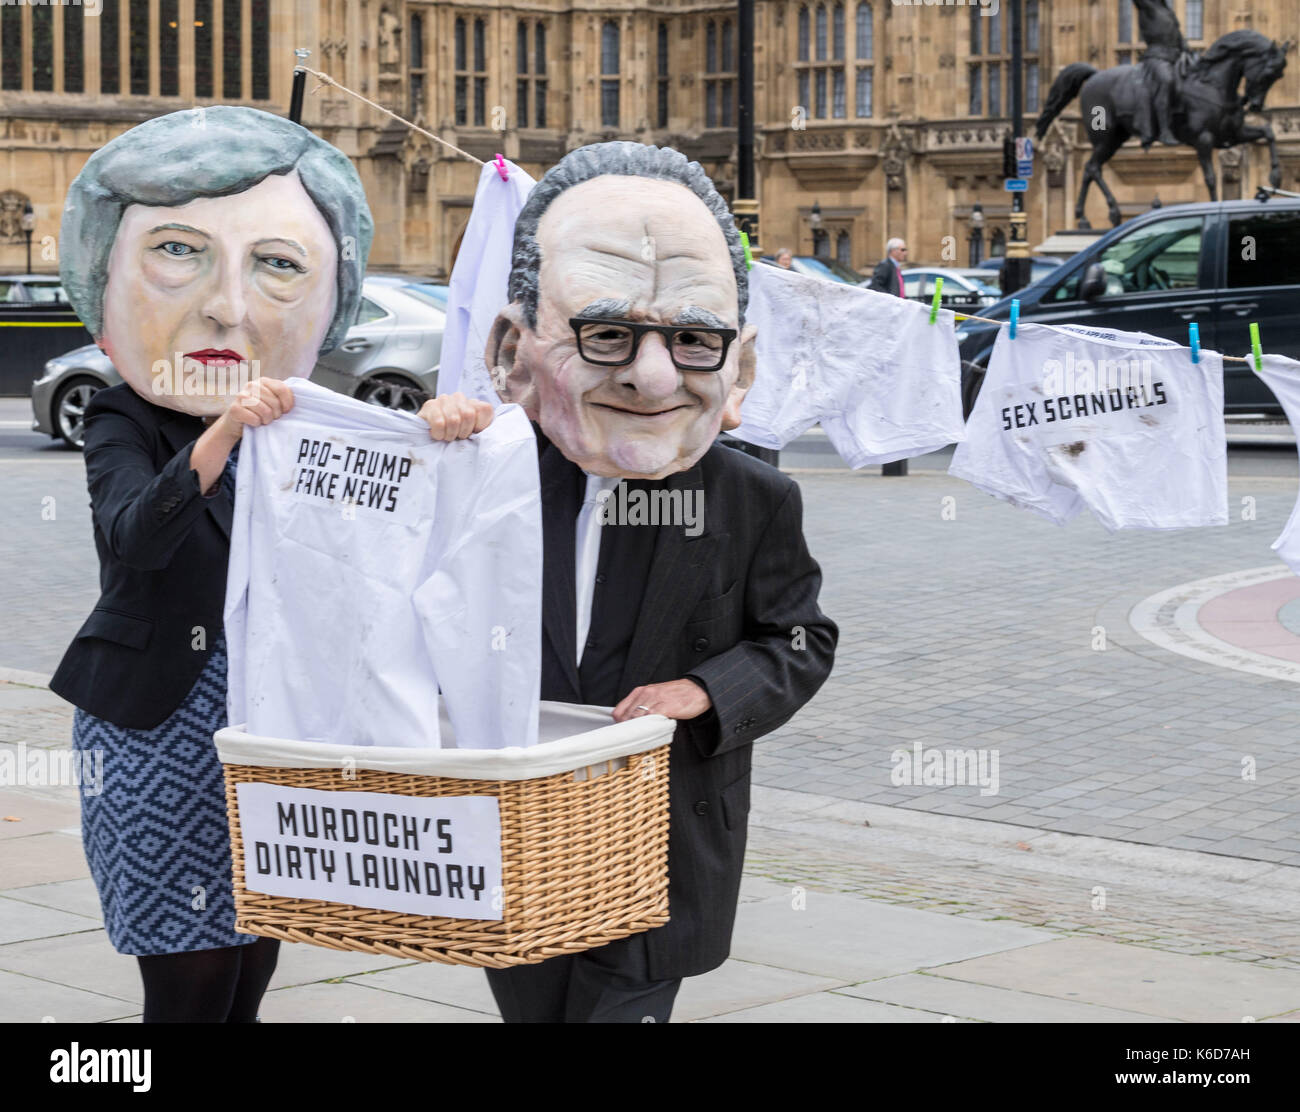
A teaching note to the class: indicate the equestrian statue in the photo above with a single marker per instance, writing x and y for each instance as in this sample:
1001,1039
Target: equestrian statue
1173,96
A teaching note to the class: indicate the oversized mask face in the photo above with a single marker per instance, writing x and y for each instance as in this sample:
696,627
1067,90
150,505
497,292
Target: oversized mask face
202,297
622,249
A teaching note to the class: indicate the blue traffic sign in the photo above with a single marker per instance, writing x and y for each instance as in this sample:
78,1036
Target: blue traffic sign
1015,185
1024,157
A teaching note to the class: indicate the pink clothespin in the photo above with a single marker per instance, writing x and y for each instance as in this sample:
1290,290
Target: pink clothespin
501,168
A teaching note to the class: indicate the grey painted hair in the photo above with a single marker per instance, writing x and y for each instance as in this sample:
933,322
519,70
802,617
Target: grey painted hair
208,152
618,157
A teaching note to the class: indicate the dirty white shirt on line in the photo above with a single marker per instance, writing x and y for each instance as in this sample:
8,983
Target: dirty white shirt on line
1123,423
480,280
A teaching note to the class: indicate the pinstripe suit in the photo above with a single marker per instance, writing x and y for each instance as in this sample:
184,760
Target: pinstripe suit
725,608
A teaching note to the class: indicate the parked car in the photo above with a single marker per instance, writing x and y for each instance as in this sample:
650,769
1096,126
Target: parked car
425,289
969,286
1039,265
388,358
32,289
1161,271
435,292
819,266
36,323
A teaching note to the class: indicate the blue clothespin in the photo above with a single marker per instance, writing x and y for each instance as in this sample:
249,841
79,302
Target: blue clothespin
1255,349
749,258
934,304
1015,315
1194,335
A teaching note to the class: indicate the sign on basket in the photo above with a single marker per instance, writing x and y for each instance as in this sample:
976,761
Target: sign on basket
430,855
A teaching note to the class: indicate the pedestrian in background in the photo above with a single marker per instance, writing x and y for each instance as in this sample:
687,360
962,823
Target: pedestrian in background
784,258
888,275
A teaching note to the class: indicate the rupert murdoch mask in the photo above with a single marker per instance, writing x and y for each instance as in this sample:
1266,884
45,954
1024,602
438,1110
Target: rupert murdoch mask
625,338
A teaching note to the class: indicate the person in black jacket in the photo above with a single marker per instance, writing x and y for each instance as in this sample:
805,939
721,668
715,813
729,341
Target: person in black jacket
625,342
210,253
888,275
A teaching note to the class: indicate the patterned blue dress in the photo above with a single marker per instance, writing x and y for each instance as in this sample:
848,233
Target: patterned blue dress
156,837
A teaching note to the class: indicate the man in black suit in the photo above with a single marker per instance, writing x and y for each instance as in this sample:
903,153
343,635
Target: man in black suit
888,275
625,343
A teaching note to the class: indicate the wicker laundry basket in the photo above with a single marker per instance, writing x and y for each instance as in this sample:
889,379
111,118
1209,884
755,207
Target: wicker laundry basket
583,837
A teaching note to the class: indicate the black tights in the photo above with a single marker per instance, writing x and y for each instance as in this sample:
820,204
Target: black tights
208,986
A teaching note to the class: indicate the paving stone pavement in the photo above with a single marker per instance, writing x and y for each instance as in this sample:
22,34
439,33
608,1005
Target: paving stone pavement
1178,901
978,633
824,931
965,623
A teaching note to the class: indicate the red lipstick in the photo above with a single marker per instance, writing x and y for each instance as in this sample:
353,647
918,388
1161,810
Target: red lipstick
212,355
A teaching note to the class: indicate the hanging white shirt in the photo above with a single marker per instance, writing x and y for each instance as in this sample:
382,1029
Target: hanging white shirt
480,280
1123,423
1283,377
884,383
371,566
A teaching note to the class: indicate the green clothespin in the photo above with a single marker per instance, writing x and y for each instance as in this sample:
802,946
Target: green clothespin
934,303
1256,350
749,258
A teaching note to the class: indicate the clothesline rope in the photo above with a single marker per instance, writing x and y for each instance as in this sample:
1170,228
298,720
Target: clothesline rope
999,323
326,79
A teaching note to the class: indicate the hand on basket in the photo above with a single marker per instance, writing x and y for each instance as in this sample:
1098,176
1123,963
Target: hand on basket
675,699
455,417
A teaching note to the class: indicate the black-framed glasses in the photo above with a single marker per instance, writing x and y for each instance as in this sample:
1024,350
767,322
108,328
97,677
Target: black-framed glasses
614,343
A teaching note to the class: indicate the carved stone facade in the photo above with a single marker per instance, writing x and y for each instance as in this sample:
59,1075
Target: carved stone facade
874,121
935,158
12,206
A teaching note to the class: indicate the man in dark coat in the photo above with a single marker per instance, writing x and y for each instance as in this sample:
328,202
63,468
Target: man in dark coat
625,342
888,275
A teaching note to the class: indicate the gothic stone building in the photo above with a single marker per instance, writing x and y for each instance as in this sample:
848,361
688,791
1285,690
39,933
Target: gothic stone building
887,115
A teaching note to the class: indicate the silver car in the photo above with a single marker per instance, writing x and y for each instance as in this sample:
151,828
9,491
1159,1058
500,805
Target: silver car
973,285
388,358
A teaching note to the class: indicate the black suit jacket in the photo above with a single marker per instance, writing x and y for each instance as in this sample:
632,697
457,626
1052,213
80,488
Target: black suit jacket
734,608
885,277
163,549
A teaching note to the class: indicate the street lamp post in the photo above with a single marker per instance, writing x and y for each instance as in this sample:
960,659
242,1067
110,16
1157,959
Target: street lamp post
1016,265
299,84
745,206
28,224
976,234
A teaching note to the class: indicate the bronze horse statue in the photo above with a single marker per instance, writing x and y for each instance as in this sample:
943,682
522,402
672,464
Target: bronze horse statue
1208,110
